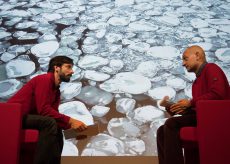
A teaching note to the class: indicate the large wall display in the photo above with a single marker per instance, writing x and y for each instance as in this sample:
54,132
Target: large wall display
127,56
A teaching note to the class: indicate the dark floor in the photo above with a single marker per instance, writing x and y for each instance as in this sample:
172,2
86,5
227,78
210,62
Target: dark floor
110,160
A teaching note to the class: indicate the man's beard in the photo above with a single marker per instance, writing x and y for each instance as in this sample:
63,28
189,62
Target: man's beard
65,78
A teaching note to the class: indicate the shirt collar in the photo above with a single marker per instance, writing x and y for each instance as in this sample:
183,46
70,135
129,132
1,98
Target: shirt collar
201,69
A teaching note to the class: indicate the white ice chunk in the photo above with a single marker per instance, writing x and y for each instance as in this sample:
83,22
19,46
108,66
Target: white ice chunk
223,54
132,83
159,92
119,21
148,68
45,49
9,87
199,23
164,52
96,76
94,96
70,90
176,83
125,105
142,26
92,62
99,111
147,114
19,68
122,128
77,110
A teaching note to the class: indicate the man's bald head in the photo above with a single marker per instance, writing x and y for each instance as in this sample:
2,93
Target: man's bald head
193,58
198,51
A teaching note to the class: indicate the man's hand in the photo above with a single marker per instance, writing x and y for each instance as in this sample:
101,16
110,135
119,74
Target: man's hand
180,106
77,125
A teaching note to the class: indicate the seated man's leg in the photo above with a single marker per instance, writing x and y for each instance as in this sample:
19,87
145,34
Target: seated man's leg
168,139
49,146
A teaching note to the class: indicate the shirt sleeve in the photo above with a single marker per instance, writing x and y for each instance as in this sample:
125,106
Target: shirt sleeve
216,83
43,98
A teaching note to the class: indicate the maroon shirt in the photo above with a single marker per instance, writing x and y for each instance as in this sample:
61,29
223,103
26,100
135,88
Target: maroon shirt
210,84
40,96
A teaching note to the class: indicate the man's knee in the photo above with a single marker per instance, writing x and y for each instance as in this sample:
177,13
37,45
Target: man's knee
50,124
171,123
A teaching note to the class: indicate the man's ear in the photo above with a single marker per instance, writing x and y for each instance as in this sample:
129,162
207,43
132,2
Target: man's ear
56,69
198,55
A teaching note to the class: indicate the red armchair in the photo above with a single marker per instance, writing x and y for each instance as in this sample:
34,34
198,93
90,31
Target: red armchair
209,142
16,145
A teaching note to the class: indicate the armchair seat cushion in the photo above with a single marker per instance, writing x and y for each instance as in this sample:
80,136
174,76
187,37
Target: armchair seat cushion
29,136
188,136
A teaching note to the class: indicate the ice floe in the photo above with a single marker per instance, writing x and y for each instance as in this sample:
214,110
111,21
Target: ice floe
19,68
9,87
45,49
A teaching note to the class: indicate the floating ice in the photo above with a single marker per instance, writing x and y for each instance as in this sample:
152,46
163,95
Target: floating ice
176,83
113,37
97,26
70,90
223,54
147,114
124,3
92,62
148,68
160,92
198,23
90,41
100,33
169,20
132,83
19,68
205,45
119,21
76,110
16,13
125,105
218,21
96,76
29,36
105,145
135,146
224,28
122,128
164,64
4,34
188,91
207,32
99,111
116,64
69,148
142,26
139,46
95,48
9,87
7,56
94,96
27,24
45,49
164,52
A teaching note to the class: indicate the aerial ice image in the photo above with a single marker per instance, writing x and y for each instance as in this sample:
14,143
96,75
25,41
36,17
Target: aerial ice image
127,56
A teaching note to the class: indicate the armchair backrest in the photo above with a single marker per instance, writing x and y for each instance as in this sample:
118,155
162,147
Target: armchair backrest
213,132
10,127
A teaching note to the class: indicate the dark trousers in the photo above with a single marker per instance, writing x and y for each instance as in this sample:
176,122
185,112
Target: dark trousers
50,142
168,138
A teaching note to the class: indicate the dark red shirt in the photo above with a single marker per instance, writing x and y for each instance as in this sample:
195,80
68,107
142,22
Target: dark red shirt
210,84
40,96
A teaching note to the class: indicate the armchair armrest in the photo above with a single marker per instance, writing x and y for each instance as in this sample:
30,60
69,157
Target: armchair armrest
10,127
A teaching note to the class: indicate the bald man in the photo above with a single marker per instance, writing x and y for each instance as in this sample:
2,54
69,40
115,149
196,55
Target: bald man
210,84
